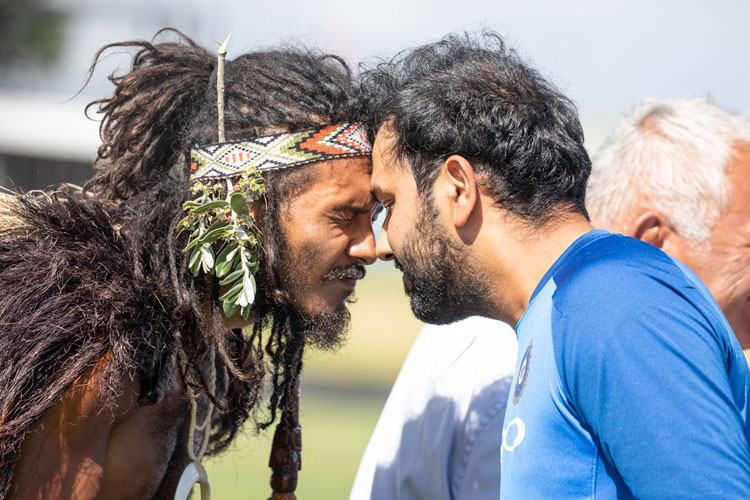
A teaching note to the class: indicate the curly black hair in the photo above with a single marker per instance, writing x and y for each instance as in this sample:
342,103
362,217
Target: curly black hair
472,96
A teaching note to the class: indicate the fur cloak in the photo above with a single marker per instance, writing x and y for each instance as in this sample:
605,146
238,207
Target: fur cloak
68,297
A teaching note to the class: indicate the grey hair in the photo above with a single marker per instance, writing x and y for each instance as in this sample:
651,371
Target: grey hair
669,155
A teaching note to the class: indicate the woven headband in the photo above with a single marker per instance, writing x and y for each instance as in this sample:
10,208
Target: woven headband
279,151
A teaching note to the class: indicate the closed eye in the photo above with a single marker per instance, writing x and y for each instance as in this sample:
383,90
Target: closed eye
347,213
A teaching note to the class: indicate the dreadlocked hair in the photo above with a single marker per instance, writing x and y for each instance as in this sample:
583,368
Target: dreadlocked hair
149,103
162,106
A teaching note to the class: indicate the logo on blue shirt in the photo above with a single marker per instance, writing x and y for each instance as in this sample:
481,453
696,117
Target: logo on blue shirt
523,373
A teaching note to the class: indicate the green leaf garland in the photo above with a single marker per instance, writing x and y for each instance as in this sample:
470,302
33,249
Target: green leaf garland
224,239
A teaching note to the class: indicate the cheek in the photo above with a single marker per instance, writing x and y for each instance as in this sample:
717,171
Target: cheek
329,250
337,248
402,224
728,278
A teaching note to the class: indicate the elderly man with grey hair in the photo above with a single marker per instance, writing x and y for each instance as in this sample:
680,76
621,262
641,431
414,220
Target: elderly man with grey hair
676,174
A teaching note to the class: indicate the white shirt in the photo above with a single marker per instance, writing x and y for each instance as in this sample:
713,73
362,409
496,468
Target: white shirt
439,434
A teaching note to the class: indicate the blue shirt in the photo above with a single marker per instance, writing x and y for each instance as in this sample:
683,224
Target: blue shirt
629,383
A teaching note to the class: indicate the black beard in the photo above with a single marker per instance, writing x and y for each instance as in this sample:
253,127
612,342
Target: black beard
323,331
443,287
285,278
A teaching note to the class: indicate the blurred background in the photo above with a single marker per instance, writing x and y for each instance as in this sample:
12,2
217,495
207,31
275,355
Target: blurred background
604,54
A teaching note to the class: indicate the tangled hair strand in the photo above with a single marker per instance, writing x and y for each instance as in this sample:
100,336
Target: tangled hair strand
151,101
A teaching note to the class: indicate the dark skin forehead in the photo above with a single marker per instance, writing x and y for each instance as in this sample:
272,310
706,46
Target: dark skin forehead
340,185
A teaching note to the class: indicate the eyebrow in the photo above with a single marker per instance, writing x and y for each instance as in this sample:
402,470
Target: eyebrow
378,193
356,208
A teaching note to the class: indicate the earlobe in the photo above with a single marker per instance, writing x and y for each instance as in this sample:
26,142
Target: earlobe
650,227
460,178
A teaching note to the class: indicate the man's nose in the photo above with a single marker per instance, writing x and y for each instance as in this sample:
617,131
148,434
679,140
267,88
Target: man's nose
363,249
383,248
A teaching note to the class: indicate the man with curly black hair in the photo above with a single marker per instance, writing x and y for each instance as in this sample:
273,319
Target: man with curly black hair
121,305
629,382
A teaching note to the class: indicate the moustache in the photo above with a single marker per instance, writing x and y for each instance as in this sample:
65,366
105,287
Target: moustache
353,272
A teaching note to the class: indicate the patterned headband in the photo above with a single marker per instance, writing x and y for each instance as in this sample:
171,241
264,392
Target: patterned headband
276,152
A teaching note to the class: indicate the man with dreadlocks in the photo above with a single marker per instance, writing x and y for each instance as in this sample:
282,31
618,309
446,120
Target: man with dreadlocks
121,307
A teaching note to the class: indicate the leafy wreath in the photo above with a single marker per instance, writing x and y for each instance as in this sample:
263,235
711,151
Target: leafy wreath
224,239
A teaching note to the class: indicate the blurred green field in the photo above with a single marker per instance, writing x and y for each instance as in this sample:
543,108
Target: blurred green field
342,395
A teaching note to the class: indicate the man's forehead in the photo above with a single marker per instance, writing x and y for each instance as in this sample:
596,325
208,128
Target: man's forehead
343,171
388,169
344,181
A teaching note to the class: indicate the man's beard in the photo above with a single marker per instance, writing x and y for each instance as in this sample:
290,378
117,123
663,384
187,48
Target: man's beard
443,286
293,279
324,330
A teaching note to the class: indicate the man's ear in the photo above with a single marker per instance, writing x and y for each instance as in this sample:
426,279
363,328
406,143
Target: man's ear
462,188
651,227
